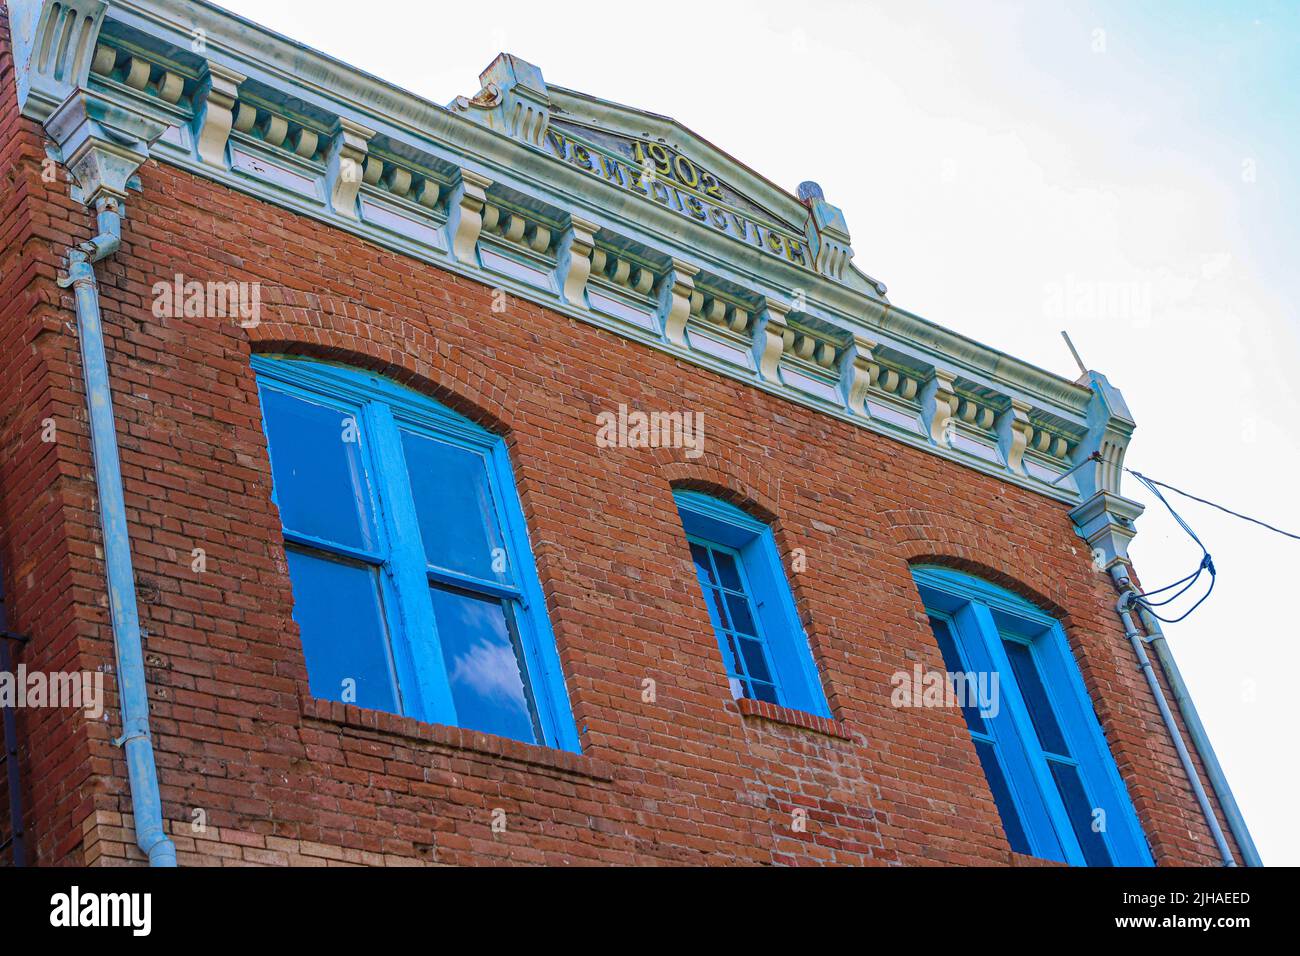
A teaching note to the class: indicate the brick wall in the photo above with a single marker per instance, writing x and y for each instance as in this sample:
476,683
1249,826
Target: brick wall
48,535
275,777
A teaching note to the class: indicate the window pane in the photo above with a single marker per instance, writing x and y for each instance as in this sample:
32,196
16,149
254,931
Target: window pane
484,665
731,611
316,464
715,598
728,575
741,618
341,619
1079,810
458,523
947,646
711,602
729,656
703,569
1035,695
755,665
952,661
1002,797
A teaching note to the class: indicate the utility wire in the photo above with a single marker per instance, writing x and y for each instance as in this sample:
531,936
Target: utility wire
1207,563
1151,481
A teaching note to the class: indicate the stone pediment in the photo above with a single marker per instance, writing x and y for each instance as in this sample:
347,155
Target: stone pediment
655,159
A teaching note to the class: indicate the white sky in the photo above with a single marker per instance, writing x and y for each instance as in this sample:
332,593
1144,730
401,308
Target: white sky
989,161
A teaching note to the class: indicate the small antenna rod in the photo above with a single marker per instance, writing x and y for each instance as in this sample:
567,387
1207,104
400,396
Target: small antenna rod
1075,352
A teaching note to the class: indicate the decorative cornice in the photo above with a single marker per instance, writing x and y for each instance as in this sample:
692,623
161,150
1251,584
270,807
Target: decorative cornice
573,261
857,374
488,203
101,143
54,44
1106,522
1013,433
939,405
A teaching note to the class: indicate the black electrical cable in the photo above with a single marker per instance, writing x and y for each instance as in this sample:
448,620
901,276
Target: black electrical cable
1263,524
1181,617
1151,487
1169,587
1207,563
1186,583
1191,582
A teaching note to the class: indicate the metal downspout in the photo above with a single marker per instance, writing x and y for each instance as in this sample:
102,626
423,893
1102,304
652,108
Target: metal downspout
1127,594
133,696
1200,740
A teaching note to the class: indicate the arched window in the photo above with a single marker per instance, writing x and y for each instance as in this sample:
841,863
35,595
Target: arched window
763,645
413,582
1051,773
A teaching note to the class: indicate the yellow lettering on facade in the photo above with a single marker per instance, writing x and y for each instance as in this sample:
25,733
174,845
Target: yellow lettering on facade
656,173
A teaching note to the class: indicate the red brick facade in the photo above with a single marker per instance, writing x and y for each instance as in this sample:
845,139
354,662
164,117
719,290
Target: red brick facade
690,778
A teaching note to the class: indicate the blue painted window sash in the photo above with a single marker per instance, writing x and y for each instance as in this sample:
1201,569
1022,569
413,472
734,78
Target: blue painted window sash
1030,817
740,672
382,407
717,524
971,604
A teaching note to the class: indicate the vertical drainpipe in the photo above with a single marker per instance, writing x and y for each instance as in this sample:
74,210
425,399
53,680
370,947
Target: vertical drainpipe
1127,597
101,138
142,772
1106,521
1200,739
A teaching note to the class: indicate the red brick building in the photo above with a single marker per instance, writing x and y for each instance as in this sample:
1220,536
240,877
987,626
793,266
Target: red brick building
521,268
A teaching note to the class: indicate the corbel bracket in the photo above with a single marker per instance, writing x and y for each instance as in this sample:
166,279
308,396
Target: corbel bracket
857,372
573,263
1107,523
216,115
102,144
769,339
1013,430
675,301
347,163
938,406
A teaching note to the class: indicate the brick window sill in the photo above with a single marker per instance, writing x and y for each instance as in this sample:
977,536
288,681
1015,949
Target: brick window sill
761,710
377,721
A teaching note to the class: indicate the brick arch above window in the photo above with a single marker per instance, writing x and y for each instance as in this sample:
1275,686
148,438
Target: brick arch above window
989,552
394,348
731,477
984,569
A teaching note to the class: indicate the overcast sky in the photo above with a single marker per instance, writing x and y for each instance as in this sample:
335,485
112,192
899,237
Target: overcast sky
1129,172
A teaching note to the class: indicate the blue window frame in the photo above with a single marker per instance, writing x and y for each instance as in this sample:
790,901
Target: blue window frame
413,582
763,644
1055,784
